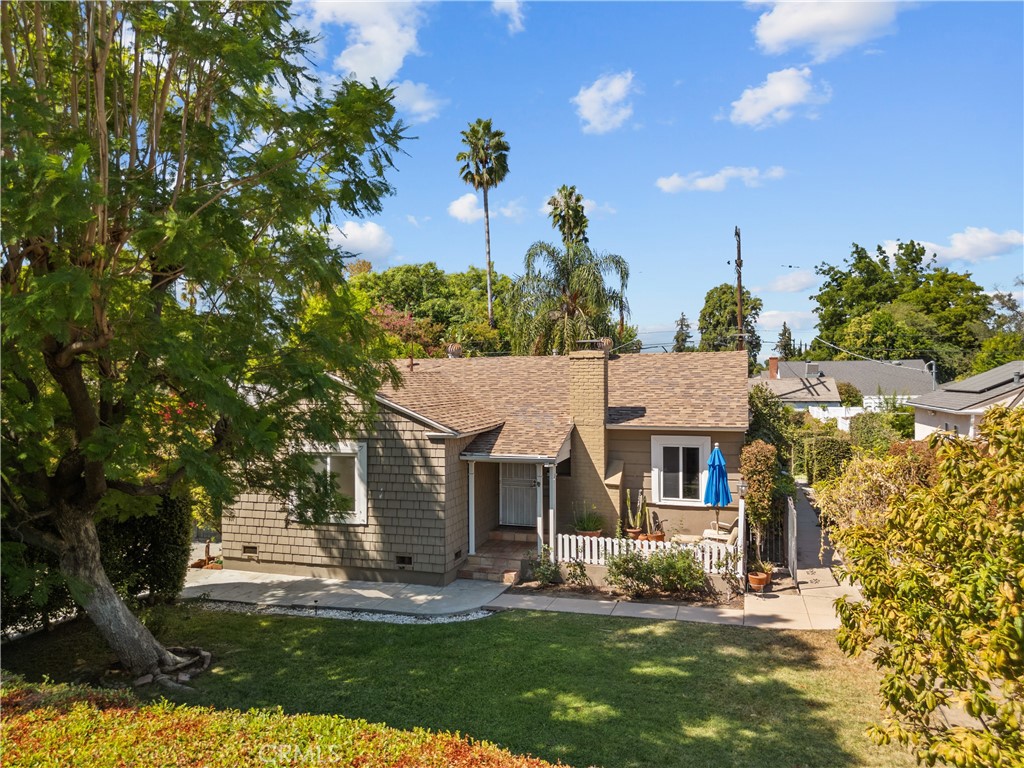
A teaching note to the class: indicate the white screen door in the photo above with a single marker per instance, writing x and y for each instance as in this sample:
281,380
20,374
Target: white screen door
518,495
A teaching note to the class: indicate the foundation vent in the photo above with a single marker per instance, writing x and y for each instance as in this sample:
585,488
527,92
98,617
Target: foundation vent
249,549
403,561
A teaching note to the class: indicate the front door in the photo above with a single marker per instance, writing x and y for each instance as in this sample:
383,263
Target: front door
518,495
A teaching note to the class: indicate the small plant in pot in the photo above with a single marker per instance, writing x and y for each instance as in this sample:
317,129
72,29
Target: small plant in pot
759,574
634,518
587,521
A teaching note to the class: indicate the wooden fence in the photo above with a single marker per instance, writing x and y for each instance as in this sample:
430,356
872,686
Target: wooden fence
594,550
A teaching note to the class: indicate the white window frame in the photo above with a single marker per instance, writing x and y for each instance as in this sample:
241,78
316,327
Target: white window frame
348,448
658,444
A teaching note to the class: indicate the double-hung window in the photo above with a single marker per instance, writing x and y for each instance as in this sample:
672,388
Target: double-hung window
679,469
346,465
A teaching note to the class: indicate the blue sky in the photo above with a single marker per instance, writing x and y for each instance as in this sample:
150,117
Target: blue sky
808,125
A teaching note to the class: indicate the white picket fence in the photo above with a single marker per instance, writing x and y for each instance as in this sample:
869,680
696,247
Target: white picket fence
594,550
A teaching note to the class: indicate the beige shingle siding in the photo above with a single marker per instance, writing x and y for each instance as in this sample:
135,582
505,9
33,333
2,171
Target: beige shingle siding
407,480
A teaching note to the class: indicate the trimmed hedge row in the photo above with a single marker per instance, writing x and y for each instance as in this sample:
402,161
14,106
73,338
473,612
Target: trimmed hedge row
142,554
51,724
825,457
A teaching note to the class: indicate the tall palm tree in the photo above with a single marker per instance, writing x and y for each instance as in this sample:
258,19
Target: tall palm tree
484,165
568,216
562,298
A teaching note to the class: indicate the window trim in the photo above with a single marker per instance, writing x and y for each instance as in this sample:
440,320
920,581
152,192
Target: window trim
658,444
347,448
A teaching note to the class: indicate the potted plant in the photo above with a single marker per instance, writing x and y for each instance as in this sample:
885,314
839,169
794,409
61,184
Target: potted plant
588,522
654,530
759,575
634,518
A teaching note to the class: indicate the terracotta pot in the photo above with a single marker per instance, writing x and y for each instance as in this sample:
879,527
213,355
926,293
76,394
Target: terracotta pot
634,533
643,537
213,567
758,581
657,536
595,534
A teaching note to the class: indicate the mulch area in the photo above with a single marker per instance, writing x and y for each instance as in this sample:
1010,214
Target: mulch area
607,593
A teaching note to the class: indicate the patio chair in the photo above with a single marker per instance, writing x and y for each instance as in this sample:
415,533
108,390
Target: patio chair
722,531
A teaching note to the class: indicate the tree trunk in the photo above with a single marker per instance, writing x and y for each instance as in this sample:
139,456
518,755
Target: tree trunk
134,645
487,238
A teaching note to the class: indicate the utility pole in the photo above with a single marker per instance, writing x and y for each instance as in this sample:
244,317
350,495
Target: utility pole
740,346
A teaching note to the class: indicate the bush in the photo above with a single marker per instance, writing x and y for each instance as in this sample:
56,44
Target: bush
149,553
675,571
873,432
825,457
543,569
849,395
576,574
141,554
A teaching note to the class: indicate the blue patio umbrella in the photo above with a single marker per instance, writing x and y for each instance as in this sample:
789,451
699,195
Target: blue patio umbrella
716,493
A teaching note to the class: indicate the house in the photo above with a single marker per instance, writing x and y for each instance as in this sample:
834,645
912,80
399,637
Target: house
802,393
903,380
957,407
471,447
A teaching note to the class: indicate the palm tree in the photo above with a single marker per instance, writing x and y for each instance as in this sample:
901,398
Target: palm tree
484,165
562,298
568,216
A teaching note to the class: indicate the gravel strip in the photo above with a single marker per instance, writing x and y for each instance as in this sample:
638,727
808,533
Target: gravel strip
336,613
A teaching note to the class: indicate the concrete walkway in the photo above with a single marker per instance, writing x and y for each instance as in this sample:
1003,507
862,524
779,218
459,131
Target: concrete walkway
782,607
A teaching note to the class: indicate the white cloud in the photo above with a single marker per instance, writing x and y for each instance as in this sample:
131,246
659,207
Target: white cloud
379,36
790,282
368,240
513,210
603,105
466,209
825,28
416,221
417,100
774,100
514,10
797,321
972,245
594,208
717,182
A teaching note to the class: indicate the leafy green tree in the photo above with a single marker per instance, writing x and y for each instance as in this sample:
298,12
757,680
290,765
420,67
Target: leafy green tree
172,304
563,298
873,432
942,575
484,166
568,215
1007,314
784,346
683,340
771,420
717,323
998,349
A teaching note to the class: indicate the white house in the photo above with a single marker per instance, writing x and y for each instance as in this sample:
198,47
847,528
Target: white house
958,406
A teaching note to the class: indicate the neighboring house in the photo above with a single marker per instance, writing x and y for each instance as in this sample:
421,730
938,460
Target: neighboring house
903,380
957,407
467,446
802,393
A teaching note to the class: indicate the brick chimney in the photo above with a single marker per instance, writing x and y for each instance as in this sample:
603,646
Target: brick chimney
588,406
773,367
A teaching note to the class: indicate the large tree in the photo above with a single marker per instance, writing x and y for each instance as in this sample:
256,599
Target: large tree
563,298
784,346
717,323
172,303
940,564
568,215
484,166
683,339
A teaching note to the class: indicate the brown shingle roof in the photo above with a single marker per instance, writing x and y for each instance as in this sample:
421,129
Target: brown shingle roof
520,405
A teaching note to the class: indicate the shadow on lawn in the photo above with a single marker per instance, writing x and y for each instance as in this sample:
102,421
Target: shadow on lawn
582,689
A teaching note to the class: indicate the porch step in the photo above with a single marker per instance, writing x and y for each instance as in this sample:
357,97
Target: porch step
507,534
496,561
486,573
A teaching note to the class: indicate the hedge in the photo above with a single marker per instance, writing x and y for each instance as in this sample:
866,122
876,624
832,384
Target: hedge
51,724
142,554
825,457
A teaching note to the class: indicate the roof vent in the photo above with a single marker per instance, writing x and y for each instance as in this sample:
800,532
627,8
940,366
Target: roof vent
454,349
1016,377
812,369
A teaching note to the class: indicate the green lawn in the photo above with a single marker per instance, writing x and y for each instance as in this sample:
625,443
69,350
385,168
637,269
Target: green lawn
582,689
